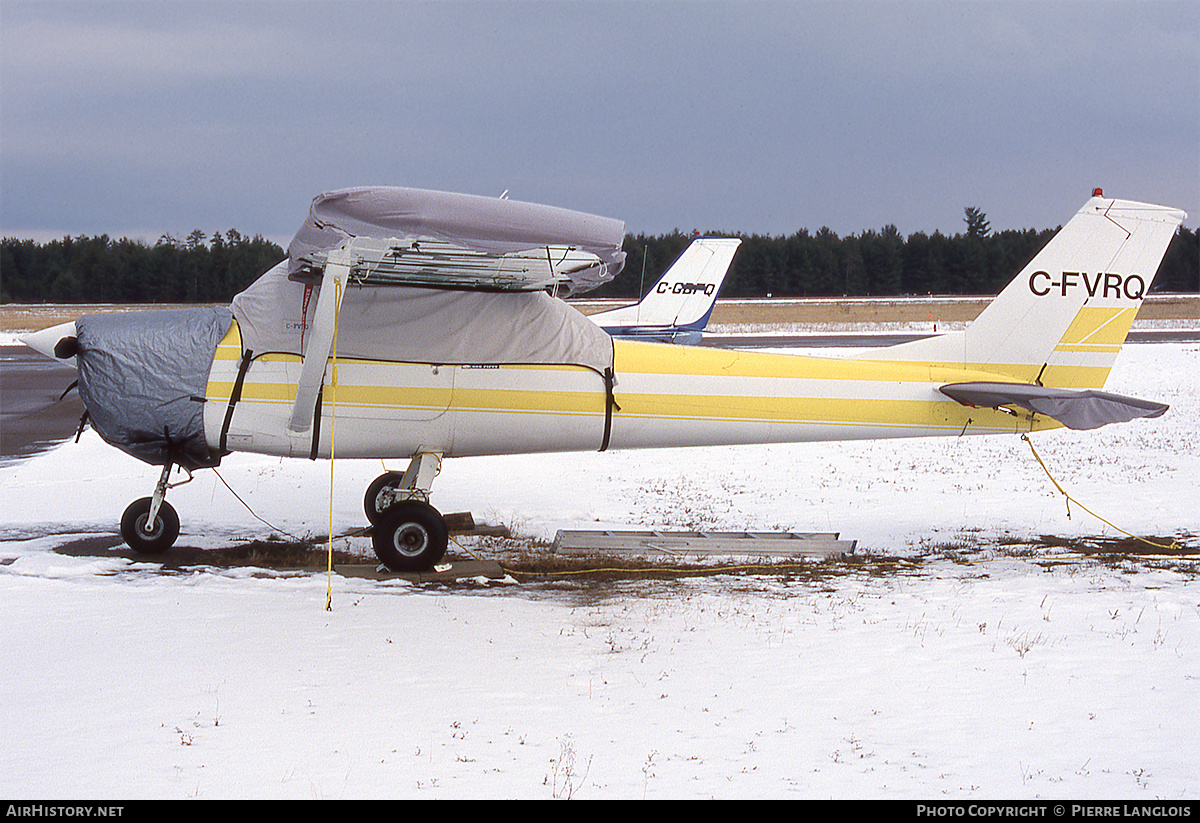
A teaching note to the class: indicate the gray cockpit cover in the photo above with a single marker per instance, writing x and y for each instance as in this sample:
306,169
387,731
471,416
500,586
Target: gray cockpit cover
143,376
416,325
429,325
484,224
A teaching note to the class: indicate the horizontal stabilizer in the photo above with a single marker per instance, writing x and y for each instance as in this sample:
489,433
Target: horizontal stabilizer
1074,408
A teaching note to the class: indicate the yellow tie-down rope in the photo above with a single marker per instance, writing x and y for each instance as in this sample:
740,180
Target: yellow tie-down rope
333,379
1174,543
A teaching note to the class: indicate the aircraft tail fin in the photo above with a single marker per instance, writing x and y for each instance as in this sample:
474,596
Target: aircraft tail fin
677,307
1063,318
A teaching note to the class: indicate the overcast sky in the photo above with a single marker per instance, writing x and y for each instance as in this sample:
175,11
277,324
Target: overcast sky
148,118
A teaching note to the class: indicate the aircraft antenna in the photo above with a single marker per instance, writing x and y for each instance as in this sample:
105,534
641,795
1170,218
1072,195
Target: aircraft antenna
642,285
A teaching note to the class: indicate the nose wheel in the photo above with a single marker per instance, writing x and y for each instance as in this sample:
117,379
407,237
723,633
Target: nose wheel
150,525
147,535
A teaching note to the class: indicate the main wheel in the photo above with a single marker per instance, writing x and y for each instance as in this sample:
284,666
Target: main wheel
372,503
410,537
145,537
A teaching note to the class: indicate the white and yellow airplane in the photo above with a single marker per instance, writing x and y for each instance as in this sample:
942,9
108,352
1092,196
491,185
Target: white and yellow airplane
421,325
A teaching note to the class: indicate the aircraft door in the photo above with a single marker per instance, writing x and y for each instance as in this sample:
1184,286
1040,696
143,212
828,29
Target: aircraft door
378,408
383,391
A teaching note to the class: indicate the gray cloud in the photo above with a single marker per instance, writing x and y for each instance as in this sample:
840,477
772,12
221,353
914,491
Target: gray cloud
737,116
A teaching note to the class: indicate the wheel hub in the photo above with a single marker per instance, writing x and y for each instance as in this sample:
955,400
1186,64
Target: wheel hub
147,529
411,539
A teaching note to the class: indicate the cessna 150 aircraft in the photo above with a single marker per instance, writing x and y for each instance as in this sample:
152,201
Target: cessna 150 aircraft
423,325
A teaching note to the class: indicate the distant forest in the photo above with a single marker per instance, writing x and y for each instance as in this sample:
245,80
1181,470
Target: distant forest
211,269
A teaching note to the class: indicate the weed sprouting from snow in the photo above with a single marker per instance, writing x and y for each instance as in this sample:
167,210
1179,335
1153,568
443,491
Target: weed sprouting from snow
1142,777
1022,643
648,771
564,779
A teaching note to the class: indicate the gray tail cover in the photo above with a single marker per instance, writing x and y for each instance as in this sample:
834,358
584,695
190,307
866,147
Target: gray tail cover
1074,408
143,376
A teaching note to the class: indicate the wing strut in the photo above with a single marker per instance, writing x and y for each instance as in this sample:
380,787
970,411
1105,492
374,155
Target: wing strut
320,340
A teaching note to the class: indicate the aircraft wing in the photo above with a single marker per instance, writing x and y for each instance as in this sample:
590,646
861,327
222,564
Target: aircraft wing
1074,408
413,237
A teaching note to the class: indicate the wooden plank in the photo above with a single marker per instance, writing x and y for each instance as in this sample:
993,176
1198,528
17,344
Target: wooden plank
698,543
464,523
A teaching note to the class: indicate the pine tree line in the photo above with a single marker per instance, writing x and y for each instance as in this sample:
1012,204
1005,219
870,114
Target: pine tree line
879,263
803,264
99,269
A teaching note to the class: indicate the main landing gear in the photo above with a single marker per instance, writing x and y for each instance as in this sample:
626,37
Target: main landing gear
409,534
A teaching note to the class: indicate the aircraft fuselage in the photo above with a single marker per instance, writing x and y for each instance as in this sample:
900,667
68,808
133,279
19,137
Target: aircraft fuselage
664,396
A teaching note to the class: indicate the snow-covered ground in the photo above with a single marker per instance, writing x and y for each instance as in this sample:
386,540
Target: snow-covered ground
975,672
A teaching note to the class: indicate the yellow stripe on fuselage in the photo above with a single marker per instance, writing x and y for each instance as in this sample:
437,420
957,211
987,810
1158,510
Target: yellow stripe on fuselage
636,357
681,383
668,361
230,346
366,396
356,390
664,394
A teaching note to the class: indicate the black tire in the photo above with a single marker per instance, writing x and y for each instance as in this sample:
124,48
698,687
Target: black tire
410,537
149,541
371,499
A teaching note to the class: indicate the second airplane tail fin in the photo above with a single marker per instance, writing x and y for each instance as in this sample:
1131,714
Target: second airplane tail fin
678,306
1063,319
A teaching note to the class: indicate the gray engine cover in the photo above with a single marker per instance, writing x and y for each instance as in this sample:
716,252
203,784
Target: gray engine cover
143,375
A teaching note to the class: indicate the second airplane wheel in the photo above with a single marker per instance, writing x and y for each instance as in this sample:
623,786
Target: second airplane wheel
371,502
410,537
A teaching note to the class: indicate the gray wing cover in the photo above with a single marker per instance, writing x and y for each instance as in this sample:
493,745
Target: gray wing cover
1074,408
484,224
143,377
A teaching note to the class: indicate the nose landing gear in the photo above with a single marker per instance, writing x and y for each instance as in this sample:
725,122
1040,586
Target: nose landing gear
150,524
